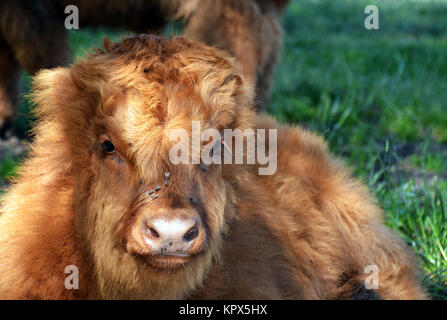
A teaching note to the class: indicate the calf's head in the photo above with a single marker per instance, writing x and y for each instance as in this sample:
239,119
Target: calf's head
151,228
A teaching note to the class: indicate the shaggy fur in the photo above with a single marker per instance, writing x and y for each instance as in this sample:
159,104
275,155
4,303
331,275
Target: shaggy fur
32,34
306,232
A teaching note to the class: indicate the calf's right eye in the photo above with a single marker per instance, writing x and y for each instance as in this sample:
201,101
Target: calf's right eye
108,147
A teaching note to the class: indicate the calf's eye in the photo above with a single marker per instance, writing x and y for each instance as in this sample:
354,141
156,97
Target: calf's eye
108,147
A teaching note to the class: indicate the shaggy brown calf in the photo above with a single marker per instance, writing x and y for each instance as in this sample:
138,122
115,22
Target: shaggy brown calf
33,36
100,192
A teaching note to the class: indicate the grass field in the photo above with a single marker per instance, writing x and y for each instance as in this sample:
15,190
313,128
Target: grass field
378,96
380,99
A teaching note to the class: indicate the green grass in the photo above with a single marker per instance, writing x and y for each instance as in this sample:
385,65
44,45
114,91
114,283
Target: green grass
378,96
380,99
8,168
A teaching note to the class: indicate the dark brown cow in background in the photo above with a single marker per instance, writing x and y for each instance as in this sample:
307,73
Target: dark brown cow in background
33,36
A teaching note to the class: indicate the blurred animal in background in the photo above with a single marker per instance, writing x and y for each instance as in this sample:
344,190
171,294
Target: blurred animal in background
33,35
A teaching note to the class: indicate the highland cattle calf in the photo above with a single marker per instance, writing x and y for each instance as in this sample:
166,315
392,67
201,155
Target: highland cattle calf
99,192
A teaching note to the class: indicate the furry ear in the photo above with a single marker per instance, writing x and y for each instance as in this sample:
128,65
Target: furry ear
52,90
63,111
59,99
224,88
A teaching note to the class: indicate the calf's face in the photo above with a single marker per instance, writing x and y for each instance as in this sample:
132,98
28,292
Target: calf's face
165,214
152,228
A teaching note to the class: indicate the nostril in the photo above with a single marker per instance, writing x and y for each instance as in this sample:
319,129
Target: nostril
191,234
153,232
173,232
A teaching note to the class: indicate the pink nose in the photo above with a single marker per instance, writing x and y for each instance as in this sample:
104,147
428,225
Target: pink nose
171,237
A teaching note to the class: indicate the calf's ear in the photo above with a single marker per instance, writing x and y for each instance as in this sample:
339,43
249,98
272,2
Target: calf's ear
63,111
53,91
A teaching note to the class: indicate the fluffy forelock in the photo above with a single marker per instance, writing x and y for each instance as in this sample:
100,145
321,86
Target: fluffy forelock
164,84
